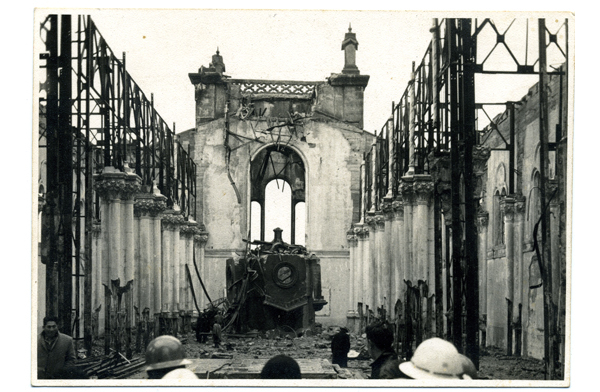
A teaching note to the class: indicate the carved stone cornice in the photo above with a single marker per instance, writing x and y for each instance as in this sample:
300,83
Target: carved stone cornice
361,232
351,238
171,221
387,209
398,208
113,184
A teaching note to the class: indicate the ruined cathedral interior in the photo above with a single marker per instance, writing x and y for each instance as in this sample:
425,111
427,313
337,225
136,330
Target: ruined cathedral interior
282,213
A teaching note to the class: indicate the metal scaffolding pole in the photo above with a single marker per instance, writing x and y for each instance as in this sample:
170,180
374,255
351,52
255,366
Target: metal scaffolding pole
471,259
550,346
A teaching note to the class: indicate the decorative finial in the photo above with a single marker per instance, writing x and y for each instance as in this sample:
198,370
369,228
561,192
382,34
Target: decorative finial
217,50
349,27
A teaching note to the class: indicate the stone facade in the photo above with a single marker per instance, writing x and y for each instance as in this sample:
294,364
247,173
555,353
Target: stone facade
318,122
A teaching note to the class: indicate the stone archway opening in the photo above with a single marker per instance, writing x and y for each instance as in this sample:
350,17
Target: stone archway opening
277,194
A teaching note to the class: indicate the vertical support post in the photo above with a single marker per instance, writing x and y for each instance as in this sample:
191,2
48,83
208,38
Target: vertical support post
549,319
469,133
411,124
439,295
455,189
65,180
49,217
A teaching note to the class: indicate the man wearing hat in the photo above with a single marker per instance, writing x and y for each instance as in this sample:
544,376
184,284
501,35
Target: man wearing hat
340,345
165,359
436,358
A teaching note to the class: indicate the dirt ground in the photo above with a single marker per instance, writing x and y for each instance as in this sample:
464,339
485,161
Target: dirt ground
494,363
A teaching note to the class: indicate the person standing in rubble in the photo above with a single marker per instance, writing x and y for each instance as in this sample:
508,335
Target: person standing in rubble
380,338
216,330
340,345
55,353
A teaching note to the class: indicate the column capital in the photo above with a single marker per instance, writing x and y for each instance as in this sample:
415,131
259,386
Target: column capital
481,154
171,221
188,228
96,229
201,235
370,220
351,238
507,207
520,204
405,188
423,191
387,209
379,221
483,218
361,231
113,184
398,207
142,204
439,166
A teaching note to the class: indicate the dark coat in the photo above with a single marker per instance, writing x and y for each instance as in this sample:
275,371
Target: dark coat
52,360
386,366
340,345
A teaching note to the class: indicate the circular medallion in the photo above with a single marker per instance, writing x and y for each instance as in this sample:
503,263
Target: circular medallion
285,275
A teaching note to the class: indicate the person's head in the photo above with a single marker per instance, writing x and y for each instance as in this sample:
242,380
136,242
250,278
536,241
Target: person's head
163,354
50,326
379,339
438,359
343,330
280,367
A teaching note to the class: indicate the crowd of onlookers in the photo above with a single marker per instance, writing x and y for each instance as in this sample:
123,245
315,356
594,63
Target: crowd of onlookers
165,358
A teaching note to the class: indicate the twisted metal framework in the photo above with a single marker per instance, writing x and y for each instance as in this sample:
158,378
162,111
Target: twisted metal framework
94,115
437,115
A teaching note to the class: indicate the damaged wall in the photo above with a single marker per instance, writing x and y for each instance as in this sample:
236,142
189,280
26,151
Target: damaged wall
321,122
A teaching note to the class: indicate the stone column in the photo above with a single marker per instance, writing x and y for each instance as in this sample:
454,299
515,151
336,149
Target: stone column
352,246
97,290
423,188
482,226
398,244
155,273
143,284
116,190
408,199
362,234
520,276
387,260
373,178
170,259
378,293
507,206
368,261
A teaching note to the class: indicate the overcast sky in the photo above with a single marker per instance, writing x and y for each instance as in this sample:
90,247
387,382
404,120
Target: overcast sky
163,46
20,32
